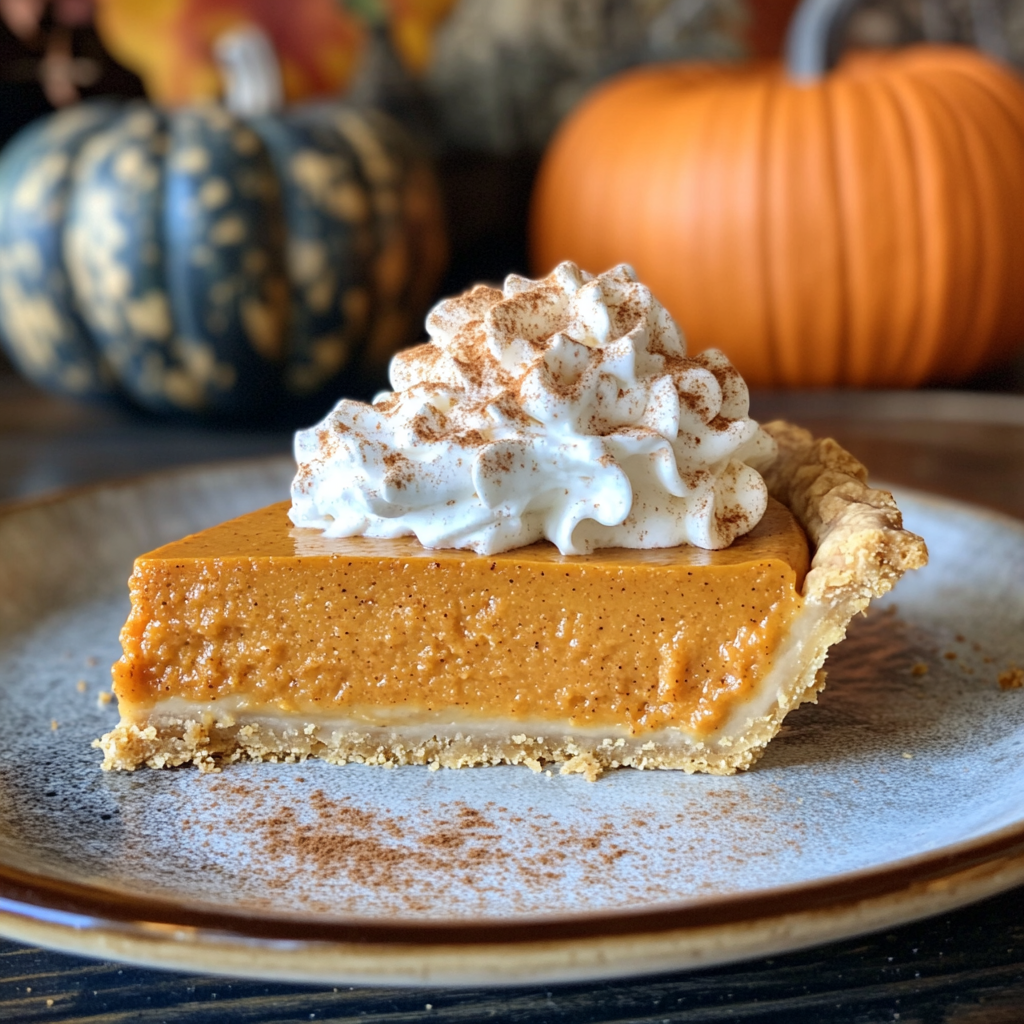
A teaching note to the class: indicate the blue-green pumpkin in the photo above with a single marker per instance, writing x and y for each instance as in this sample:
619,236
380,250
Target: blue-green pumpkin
195,261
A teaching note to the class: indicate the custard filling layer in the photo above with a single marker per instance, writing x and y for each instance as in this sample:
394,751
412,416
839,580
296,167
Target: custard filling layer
239,711
257,614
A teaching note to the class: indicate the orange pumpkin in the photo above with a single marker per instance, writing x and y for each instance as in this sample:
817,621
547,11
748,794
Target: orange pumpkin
864,227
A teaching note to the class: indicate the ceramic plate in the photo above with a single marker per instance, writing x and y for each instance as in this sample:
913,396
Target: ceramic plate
899,795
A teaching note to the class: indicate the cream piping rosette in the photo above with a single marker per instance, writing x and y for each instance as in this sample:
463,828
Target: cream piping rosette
564,408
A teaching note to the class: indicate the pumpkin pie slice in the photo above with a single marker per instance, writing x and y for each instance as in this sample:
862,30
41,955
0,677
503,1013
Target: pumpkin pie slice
259,640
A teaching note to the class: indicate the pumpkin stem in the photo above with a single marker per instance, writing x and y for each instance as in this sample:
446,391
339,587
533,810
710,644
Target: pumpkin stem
250,72
811,39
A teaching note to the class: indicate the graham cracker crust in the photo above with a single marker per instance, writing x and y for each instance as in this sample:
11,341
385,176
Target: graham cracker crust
210,745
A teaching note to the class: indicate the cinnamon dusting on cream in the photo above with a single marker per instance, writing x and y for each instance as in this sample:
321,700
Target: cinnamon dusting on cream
565,408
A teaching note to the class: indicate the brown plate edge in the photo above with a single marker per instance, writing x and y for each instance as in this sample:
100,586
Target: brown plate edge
510,962
43,898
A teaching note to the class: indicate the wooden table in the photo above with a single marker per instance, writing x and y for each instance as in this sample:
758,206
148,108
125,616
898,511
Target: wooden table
962,967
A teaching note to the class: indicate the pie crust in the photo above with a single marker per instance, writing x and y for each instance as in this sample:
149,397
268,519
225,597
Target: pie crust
859,551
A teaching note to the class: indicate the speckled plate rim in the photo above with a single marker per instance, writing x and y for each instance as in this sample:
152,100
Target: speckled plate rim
97,921
449,955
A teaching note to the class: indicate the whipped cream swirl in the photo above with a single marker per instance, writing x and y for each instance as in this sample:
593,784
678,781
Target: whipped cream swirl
563,408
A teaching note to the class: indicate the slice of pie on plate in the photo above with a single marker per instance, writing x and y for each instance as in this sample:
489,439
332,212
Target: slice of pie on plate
558,539
260,640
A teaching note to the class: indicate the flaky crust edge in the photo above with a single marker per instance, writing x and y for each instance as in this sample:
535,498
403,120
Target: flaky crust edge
860,547
860,552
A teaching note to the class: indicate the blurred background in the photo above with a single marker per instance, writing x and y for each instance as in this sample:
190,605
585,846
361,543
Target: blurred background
219,216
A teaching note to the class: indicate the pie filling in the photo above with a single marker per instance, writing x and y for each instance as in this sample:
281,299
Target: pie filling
421,725
622,643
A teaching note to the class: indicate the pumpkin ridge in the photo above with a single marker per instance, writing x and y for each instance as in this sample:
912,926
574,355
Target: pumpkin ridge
904,259
772,360
805,246
951,240
753,290
835,91
965,354
696,213
371,135
666,196
776,177
845,136
325,207
720,138
615,222
899,354
834,311
223,311
954,296
44,331
922,350
113,249
983,78
694,190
